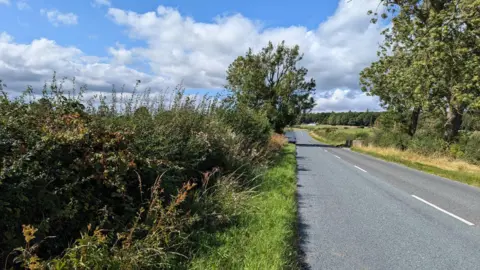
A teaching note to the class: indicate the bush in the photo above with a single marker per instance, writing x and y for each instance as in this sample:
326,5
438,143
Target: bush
246,122
472,147
389,139
131,181
426,144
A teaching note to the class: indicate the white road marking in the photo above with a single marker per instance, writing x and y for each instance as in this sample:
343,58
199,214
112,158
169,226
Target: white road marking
444,211
337,157
325,151
360,168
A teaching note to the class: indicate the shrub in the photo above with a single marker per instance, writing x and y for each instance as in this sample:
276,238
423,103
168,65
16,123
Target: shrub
427,144
472,147
389,139
143,173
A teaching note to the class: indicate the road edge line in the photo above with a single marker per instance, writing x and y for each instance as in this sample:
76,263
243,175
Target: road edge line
360,168
444,211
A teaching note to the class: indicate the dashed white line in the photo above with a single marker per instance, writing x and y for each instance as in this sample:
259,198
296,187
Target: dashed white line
444,211
325,151
360,168
337,157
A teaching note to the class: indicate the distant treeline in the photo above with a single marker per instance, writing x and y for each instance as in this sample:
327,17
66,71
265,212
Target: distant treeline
342,118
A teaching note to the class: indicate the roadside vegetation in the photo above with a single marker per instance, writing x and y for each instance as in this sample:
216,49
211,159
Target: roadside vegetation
442,166
337,135
141,180
427,80
459,161
265,236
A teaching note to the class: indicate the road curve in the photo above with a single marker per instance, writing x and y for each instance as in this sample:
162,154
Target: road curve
358,212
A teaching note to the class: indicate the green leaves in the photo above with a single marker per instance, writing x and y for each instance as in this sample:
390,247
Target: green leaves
430,59
271,82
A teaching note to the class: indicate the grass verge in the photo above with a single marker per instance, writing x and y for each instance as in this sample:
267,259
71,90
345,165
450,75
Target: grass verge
325,140
456,170
264,236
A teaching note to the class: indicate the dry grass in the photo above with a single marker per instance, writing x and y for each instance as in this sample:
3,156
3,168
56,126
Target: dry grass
439,165
277,142
439,161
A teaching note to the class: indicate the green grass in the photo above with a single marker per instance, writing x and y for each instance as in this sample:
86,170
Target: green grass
460,176
265,235
325,140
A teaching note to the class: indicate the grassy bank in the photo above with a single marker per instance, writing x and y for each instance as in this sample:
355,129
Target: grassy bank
442,166
324,139
265,235
337,135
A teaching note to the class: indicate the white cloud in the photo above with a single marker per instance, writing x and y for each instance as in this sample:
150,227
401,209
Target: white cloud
5,2
22,5
34,63
199,53
180,49
120,55
345,100
56,17
99,3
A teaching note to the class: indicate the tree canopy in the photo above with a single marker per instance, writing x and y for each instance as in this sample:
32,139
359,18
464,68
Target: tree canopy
429,61
271,81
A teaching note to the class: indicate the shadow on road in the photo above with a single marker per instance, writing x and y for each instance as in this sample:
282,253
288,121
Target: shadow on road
302,169
302,234
318,145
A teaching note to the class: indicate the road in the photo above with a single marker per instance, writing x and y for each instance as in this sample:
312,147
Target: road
358,212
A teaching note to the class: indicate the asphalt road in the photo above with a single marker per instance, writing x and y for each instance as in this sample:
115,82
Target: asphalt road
358,212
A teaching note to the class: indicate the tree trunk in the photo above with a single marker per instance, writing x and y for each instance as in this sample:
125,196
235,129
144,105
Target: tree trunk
453,124
414,120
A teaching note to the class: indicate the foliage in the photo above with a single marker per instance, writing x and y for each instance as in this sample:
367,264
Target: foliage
141,171
342,118
271,82
337,136
265,235
430,59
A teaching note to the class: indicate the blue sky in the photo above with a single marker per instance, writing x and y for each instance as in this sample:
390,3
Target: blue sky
94,32
190,42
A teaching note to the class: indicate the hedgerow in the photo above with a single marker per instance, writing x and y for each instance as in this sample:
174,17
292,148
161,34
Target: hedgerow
124,181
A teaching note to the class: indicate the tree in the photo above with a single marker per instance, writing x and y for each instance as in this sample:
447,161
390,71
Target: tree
271,82
430,58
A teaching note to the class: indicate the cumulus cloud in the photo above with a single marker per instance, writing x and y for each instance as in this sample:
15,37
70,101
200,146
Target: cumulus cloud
34,63
57,18
180,49
345,100
120,55
5,2
99,3
22,5
199,53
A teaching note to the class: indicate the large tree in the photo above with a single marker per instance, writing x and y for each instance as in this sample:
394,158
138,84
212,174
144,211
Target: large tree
430,59
271,81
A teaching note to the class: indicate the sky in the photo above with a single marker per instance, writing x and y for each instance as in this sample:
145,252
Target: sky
165,43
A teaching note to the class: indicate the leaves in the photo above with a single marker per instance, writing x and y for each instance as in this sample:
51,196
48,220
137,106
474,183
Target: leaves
429,60
271,82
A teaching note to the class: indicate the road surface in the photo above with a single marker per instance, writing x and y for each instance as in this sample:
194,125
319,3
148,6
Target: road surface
358,212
